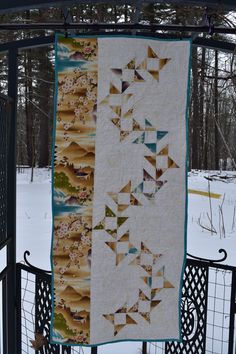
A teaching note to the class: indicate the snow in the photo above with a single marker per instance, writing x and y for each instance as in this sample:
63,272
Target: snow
34,224
201,242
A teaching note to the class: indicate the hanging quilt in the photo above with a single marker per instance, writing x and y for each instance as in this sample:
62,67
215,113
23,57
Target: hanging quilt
119,189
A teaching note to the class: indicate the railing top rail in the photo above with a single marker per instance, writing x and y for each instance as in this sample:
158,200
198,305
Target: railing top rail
192,262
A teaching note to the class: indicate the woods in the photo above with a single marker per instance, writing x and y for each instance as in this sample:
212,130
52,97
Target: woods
212,106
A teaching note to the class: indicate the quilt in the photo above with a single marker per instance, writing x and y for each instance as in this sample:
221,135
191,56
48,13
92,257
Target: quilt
119,188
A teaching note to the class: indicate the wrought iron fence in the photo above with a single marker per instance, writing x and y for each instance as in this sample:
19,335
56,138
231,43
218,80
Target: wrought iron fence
208,311
4,111
6,266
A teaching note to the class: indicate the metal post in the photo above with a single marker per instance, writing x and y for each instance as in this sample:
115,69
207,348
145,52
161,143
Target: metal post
94,350
18,310
144,348
232,313
4,316
11,205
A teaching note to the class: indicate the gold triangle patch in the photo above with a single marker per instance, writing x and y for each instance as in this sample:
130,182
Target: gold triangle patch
155,74
122,207
151,159
116,122
136,126
171,163
151,53
146,316
114,90
126,188
112,245
121,220
109,212
163,62
134,201
155,303
131,64
129,113
118,328
130,320
142,296
164,151
114,196
125,237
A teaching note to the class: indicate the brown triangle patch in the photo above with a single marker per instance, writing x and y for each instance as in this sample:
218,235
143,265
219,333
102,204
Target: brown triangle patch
164,151
134,308
125,237
146,316
136,126
118,328
125,85
160,172
130,320
143,296
168,284
114,90
111,245
154,292
138,77
122,309
128,114
171,163
151,53
131,64
117,72
155,74
163,62
160,272
119,258
134,201
154,303
122,207
147,176
151,159
116,122
126,188
109,318
114,196
123,135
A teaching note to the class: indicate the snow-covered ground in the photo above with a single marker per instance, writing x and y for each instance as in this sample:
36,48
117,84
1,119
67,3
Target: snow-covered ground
200,241
34,223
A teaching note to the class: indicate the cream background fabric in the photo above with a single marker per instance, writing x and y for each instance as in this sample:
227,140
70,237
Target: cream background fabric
159,223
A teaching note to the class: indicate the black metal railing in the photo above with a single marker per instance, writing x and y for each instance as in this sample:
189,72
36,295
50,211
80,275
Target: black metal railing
7,298
208,311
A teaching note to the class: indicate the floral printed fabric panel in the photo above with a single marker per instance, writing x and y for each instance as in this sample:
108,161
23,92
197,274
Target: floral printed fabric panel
119,191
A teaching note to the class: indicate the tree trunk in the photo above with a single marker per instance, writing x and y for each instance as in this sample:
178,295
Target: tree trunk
46,103
195,112
28,106
202,131
216,111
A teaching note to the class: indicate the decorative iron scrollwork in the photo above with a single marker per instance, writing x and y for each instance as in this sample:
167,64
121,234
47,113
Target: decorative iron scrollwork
26,254
211,260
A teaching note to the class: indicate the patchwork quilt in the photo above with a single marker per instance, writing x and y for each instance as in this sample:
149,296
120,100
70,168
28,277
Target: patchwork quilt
119,189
